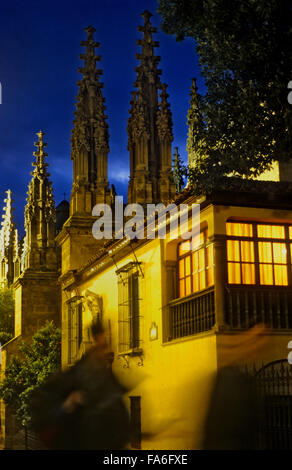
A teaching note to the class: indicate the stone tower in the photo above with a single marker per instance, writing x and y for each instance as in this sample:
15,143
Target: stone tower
90,137
9,245
89,152
149,128
36,289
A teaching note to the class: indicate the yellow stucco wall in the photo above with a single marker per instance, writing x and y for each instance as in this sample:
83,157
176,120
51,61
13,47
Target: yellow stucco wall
176,377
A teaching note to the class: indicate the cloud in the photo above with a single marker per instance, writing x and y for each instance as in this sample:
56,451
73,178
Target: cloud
119,174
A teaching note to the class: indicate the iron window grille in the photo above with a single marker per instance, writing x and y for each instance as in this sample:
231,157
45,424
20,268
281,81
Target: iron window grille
75,327
129,308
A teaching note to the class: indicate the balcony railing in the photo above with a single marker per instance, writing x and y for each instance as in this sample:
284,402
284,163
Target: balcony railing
192,314
247,306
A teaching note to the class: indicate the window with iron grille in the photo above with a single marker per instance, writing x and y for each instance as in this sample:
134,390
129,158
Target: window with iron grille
135,418
129,308
75,327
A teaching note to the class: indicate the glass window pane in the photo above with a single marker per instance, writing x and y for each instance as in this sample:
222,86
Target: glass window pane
188,285
281,278
187,265
236,229
265,252
233,253
202,280
280,253
248,273
271,231
182,288
234,276
195,282
195,262
209,256
181,268
266,274
290,231
210,276
247,251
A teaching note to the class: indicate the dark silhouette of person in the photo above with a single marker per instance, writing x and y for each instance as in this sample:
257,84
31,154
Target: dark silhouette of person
82,407
235,412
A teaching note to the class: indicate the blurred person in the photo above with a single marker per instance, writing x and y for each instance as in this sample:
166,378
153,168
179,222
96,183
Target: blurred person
235,411
82,407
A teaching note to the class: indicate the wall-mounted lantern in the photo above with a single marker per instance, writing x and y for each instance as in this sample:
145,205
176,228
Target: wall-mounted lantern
153,332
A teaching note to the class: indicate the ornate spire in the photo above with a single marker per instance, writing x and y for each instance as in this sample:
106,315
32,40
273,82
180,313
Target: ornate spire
9,248
40,154
196,125
90,137
40,215
149,126
7,225
178,171
147,70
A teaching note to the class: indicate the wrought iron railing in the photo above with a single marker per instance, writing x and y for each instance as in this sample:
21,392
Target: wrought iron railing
274,386
247,306
192,314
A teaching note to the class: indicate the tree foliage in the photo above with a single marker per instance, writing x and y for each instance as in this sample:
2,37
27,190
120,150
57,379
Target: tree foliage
244,49
25,373
6,314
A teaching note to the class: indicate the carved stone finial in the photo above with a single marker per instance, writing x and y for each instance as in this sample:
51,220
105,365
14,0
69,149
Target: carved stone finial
146,15
40,154
90,31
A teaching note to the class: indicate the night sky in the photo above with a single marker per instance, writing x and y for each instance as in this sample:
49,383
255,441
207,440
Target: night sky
39,60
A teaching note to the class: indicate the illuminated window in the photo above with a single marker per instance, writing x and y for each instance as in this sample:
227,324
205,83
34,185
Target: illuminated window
195,265
258,253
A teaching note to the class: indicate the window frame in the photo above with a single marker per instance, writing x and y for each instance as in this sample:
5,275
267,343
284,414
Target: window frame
129,325
287,240
204,245
75,326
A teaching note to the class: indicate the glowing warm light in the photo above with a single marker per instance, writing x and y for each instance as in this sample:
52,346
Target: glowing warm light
272,254
153,333
236,229
196,267
271,231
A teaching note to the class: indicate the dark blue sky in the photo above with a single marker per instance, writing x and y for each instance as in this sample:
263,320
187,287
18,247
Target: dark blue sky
39,58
